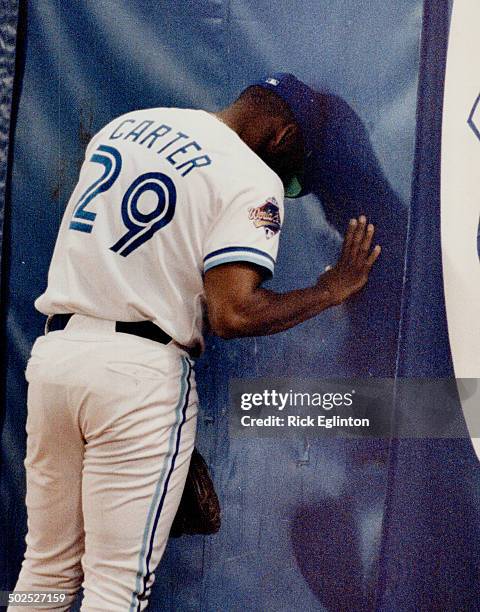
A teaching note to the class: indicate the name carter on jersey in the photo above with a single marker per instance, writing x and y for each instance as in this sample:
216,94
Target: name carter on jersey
143,134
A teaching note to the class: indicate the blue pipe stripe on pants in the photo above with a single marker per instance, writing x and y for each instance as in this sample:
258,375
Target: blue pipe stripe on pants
157,505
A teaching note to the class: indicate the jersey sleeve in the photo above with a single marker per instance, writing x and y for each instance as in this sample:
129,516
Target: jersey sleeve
247,229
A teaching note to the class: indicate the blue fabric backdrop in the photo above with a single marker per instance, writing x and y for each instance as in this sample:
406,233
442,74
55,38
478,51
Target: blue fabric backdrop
306,521
431,544
8,31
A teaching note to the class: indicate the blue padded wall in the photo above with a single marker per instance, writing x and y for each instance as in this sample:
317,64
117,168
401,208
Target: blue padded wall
302,518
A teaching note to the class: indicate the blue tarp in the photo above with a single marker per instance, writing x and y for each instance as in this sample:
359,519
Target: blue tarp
305,521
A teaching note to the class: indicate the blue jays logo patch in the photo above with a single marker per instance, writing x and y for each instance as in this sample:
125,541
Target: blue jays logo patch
267,216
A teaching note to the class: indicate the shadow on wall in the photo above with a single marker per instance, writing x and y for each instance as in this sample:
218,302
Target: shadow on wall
329,555
348,179
336,539
336,542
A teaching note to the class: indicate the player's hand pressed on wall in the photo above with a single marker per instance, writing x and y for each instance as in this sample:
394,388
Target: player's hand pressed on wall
238,305
357,258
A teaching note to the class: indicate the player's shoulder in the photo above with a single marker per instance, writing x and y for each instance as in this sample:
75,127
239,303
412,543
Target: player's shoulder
237,166
238,163
246,171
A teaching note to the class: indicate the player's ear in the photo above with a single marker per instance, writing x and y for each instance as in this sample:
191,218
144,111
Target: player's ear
285,136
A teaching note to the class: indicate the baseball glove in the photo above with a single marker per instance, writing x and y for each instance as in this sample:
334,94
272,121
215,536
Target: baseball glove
199,509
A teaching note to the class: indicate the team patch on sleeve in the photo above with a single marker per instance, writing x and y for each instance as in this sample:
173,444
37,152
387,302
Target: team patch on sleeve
267,216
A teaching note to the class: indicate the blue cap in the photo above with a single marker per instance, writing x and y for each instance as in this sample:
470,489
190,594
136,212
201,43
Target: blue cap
301,100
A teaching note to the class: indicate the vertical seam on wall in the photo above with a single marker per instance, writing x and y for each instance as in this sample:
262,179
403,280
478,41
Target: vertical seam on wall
9,85
8,36
15,65
433,12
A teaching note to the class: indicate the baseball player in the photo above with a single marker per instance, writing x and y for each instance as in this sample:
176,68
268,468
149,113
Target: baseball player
176,213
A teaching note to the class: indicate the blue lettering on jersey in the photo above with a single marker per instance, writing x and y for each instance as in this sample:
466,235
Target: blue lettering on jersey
141,134
139,130
141,226
179,136
184,149
110,159
158,132
116,132
196,162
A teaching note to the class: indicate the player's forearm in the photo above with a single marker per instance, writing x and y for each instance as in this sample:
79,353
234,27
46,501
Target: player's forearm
267,312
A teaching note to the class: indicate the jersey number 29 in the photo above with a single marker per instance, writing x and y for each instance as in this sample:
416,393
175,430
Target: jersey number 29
140,226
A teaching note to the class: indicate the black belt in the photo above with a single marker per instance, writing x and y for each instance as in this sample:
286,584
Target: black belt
144,329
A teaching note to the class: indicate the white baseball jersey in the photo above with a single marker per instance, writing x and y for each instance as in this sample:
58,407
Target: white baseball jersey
164,194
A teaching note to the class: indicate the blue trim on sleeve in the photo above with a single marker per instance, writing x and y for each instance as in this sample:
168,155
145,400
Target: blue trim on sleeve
263,263
238,249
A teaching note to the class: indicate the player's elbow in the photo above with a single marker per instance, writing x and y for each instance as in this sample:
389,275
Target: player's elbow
228,323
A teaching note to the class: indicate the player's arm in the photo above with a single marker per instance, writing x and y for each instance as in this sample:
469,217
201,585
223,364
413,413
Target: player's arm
238,305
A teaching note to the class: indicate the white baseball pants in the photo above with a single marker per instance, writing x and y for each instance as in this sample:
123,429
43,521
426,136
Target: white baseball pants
111,427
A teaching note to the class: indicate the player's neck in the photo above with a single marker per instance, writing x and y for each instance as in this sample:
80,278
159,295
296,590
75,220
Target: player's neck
230,119
238,122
